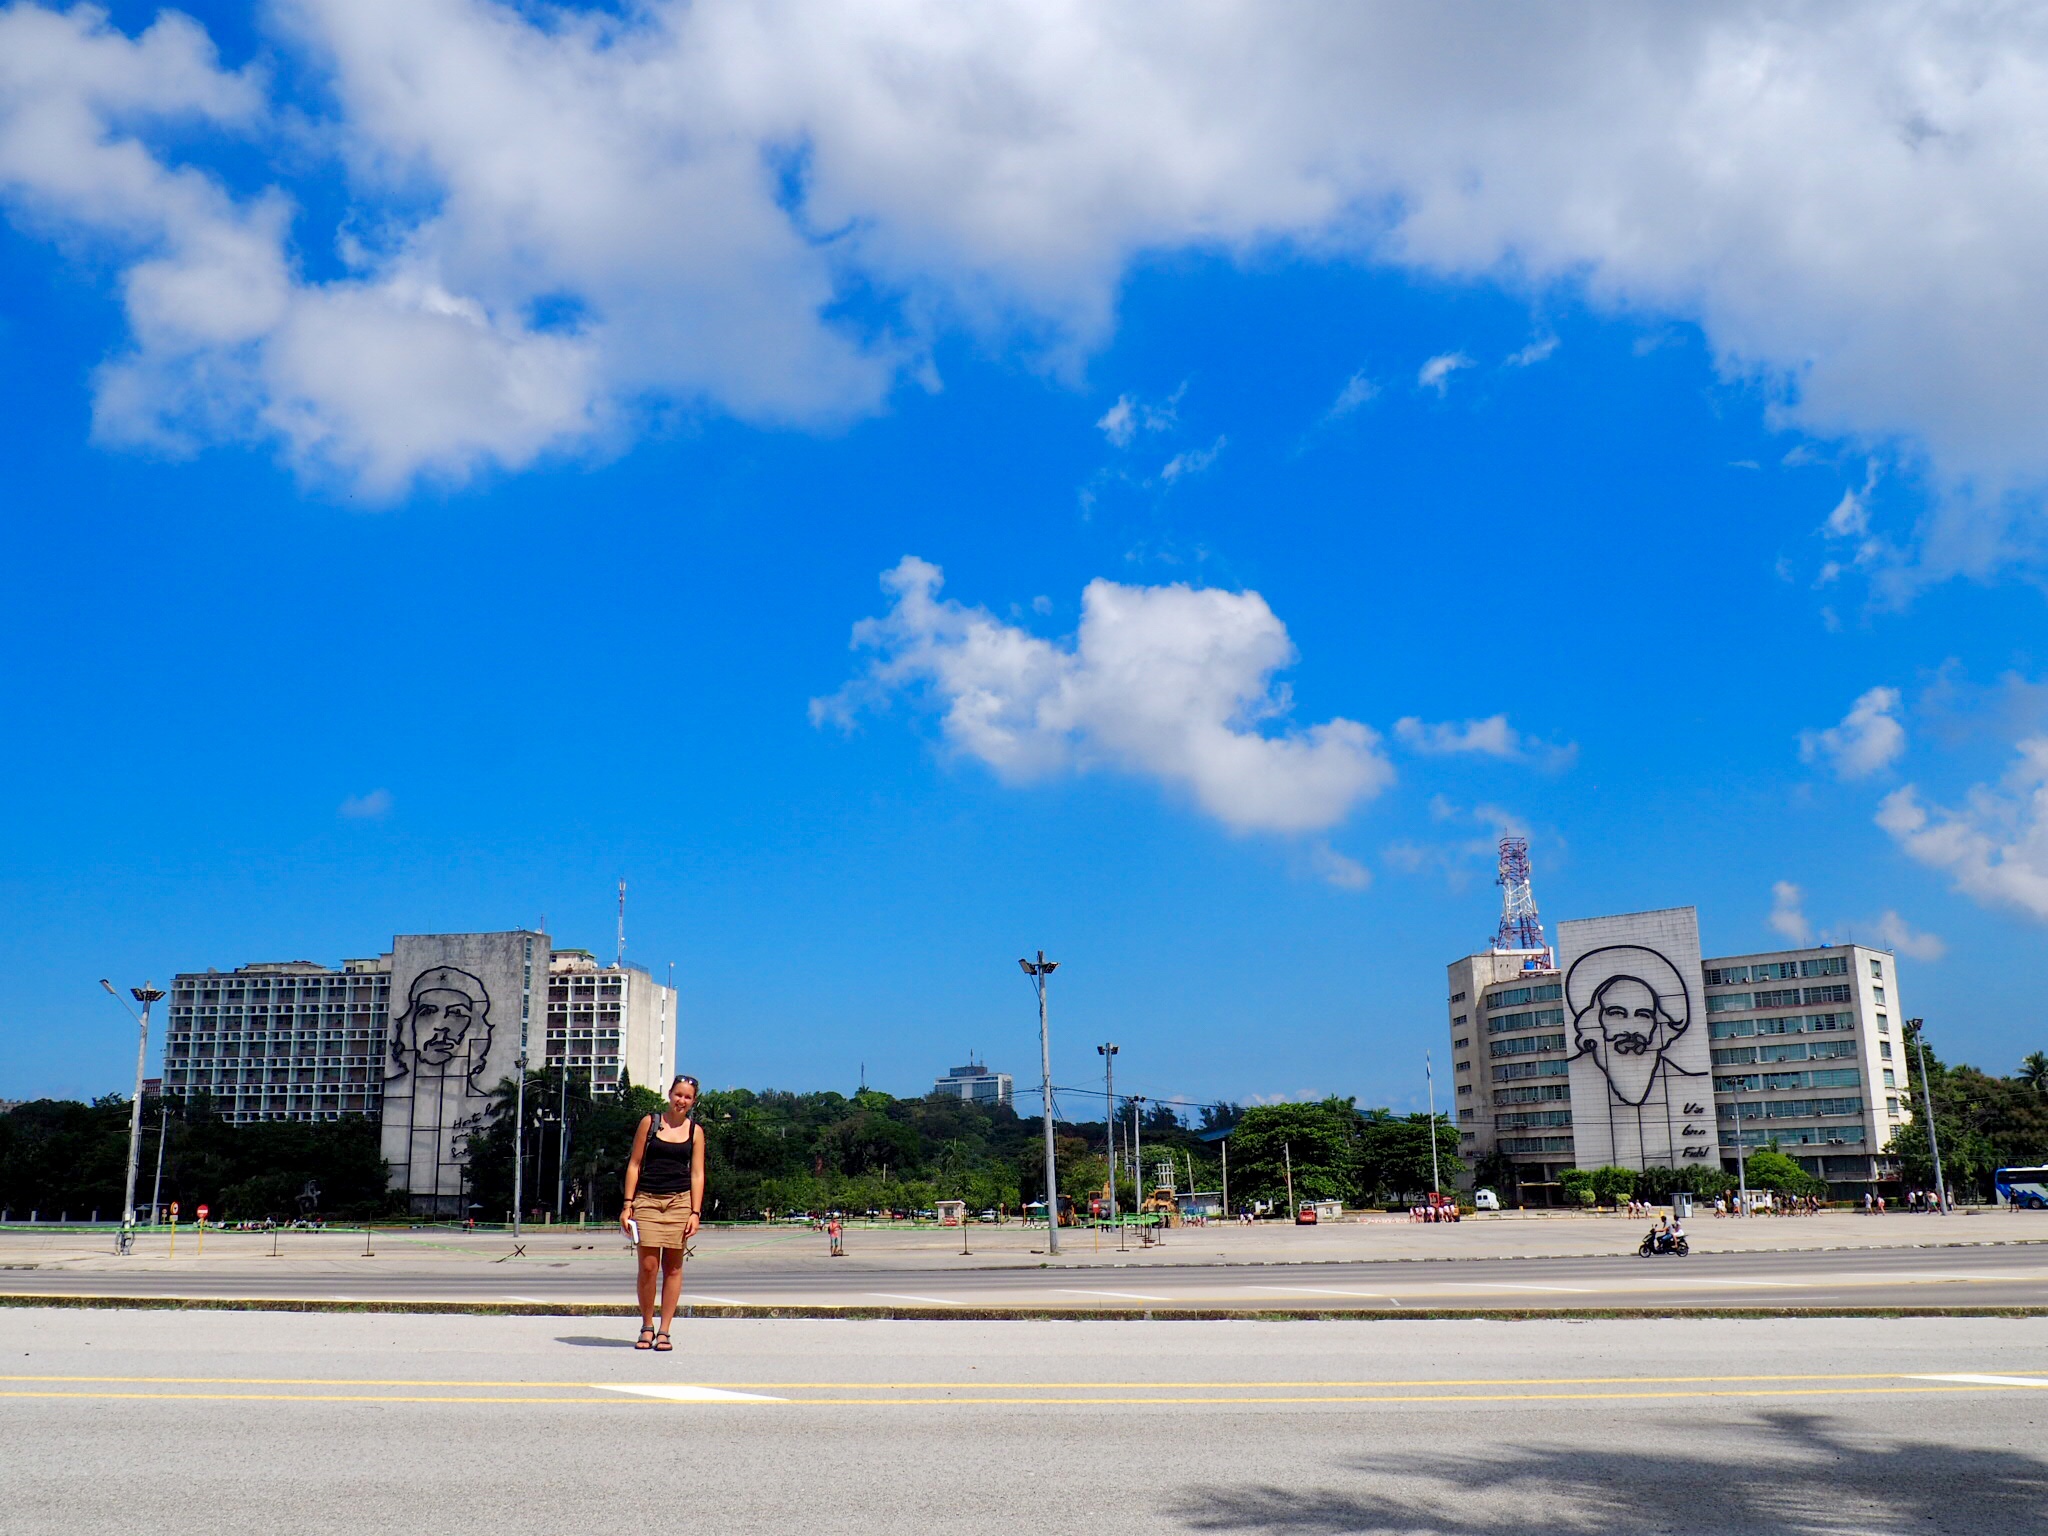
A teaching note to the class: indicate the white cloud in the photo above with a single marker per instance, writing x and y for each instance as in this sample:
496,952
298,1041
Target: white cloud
1787,919
1191,461
1490,737
1357,390
1122,422
1170,683
1338,869
1537,351
1436,373
1850,518
1896,934
1994,847
1869,739
771,209
374,806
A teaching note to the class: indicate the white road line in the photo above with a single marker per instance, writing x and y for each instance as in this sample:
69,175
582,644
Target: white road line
931,1301
1991,1381
685,1394
549,1301
728,1301
1069,1290
1680,1284
1317,1290
1489,1285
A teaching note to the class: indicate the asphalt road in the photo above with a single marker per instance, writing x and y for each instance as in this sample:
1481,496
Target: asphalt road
1982,1276
224,1422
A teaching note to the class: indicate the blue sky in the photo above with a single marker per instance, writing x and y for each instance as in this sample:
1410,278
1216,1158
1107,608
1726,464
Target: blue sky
409,537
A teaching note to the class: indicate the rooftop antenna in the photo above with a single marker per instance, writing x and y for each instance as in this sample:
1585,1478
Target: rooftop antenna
1521,930
622,921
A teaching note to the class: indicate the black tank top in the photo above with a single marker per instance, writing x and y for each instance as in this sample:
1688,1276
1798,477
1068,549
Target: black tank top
665,1165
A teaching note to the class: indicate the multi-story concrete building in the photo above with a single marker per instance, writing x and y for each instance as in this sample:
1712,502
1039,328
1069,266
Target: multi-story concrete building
975,1083
1629,1048
417,1037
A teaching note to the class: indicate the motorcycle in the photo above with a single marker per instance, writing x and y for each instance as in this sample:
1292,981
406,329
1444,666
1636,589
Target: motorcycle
1652,1244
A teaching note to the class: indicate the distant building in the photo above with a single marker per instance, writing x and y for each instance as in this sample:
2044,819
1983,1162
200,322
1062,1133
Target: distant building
1629,1048
975,1083
418,1037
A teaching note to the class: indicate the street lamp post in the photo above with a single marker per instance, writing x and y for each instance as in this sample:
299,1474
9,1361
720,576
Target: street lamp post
1108,1055
1429,1076
1927,1098
145,995
1038,972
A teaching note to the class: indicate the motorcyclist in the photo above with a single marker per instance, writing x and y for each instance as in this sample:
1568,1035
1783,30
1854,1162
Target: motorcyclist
1675,1236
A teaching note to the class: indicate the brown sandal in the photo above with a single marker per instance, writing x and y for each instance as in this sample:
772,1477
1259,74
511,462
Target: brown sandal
646,1340
661,1343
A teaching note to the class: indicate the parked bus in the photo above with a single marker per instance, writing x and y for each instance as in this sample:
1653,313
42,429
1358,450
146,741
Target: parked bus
2024,1187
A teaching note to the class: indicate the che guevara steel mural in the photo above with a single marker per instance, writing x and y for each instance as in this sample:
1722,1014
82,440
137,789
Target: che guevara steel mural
440,1045
1630,1006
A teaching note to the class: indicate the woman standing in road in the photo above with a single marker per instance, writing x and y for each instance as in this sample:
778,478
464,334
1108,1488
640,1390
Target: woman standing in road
664,1193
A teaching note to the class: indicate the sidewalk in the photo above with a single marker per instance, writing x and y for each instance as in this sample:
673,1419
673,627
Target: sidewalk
799,1249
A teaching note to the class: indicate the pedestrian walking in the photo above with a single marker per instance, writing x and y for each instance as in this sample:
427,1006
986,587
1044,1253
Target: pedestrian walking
664,1195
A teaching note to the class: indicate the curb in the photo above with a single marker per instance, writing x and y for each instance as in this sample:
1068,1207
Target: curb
994,1314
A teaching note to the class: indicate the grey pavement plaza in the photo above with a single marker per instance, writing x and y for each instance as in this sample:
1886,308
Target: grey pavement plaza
227,1422
1839,1260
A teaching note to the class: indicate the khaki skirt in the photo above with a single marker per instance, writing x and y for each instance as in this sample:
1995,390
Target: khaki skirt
661,1218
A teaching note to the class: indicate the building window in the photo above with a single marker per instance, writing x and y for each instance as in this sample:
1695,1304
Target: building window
1457,997
1877,996
1884,1049
1727,975
1459,1020
1464,1090
1728,1002
1891,1107
1889,1080
1877,970
1461,1042
1834,994
1830,965
1464,1066
1884,1024
1533,1018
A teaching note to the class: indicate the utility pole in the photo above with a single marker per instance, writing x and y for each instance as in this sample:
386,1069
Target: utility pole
1108,1055
1138,1146
1038,973
1918,1026
163,1129
1741,1162
1429,1076
1287,1152
562,1132
145,995
1225,1144
519,1142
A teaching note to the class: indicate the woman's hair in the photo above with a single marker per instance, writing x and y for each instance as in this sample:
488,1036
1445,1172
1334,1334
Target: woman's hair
683,1077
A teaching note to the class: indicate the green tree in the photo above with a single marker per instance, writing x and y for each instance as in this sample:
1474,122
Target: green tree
1768,1168
1320,1140
1393,1156
1613,1185
1577,1184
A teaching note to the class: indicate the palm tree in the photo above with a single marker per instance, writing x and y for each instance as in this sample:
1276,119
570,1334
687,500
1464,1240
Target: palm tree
2034,1072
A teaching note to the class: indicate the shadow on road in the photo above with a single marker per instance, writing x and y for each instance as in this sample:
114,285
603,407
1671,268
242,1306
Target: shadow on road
1782,1474
590,1341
